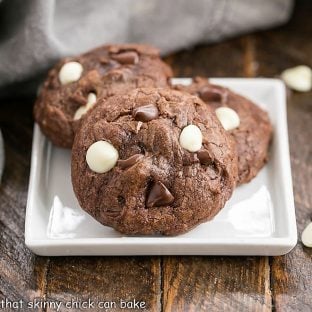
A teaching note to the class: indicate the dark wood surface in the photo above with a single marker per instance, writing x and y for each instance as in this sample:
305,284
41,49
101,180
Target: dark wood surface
173,283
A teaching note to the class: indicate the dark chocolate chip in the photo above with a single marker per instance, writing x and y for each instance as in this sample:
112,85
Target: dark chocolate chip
159,195
208,94
145,113
129,57
204,157
129,162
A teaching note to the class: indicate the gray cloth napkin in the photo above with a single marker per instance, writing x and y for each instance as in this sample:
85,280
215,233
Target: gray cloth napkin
35,33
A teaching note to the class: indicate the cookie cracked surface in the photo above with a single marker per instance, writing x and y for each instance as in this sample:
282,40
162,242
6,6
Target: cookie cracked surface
252,135
102,72
156,186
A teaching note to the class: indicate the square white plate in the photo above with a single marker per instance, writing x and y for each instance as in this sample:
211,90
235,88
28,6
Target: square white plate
259,219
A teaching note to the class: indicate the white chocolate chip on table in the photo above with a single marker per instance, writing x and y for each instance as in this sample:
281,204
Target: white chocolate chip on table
228,117
70,72
191,138
298,78
306,236
83,109
101,156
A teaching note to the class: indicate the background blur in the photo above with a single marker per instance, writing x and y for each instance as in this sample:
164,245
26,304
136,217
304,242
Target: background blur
34,34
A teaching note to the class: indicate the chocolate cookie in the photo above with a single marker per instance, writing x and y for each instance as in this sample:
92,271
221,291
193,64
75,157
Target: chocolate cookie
153,161
246,122
75,83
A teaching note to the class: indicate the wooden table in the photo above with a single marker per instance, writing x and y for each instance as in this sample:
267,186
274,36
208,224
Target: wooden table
173,283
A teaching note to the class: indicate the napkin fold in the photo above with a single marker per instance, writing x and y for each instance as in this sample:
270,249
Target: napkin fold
35,33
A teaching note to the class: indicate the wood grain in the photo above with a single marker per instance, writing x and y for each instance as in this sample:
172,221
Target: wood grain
217,284
22,274
105,279
221,60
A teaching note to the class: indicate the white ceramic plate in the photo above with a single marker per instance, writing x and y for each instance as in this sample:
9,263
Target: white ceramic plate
259,219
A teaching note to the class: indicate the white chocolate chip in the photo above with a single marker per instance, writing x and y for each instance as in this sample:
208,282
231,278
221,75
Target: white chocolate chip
70,72
228,117
306,236
191,138
83,109
101,157
298,78
80,112
91,98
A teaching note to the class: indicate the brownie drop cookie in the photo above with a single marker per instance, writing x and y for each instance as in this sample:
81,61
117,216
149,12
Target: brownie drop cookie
245,121
74,84
153,161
